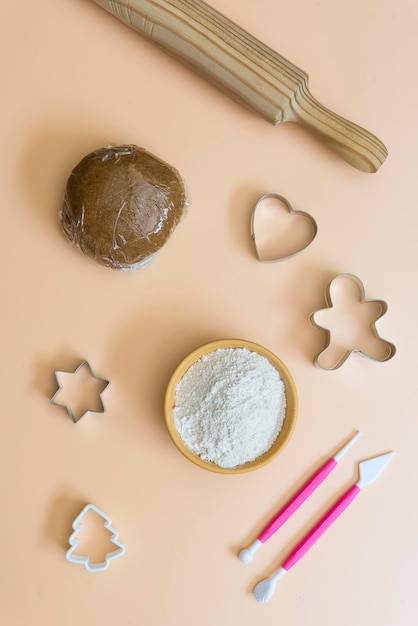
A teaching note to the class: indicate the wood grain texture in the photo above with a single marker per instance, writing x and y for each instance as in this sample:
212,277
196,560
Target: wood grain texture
246,69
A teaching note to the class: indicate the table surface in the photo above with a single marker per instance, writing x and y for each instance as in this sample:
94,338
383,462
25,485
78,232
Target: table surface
74,79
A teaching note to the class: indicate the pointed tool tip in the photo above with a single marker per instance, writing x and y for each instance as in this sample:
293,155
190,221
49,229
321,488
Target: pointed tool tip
339,455
357,434
385,458
371,469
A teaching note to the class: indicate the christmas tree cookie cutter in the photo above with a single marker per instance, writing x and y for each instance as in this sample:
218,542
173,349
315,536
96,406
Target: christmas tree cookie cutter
75,541
86,408
387,349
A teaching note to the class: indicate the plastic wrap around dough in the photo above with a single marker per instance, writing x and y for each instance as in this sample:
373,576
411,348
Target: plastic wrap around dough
121,205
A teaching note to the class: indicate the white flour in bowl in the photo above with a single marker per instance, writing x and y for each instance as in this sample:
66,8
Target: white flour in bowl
229,406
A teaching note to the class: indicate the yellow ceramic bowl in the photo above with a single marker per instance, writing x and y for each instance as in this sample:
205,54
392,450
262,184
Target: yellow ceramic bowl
288,423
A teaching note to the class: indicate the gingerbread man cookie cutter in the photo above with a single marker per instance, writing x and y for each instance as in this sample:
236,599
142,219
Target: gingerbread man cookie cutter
387,349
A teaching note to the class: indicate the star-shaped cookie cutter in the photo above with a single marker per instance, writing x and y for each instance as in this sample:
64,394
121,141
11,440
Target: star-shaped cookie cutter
382,308
67,407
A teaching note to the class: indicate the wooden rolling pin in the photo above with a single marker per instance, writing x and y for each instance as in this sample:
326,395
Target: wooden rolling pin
249,71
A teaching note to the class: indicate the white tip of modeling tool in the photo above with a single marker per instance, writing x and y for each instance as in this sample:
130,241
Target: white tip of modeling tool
265,589
371,469
347,446
247,555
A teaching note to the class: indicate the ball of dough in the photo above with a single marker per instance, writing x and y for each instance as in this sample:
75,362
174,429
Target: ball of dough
121,205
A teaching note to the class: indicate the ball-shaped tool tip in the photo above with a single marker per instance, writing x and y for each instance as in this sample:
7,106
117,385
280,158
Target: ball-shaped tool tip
246,556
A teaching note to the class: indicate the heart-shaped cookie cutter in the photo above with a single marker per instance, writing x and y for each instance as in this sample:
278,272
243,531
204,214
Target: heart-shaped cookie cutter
290,210
391,349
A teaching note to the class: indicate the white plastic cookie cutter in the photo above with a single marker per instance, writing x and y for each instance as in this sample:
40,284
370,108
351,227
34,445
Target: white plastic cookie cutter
75,541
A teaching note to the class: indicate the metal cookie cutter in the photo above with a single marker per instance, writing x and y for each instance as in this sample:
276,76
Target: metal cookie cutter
389,349
288,206
76,541
87,409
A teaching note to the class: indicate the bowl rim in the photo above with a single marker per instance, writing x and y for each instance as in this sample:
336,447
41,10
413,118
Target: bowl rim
289,422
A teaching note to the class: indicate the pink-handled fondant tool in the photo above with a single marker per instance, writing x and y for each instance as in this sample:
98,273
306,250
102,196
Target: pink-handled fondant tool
247,555
369,471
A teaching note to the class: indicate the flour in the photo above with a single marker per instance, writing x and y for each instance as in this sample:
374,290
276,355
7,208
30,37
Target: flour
229,406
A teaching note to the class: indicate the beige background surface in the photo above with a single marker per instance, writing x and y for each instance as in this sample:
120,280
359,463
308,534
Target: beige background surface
73,78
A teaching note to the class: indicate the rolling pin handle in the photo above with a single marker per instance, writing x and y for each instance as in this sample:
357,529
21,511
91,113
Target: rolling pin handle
354,144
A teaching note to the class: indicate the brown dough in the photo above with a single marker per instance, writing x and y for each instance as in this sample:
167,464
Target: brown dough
121,205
